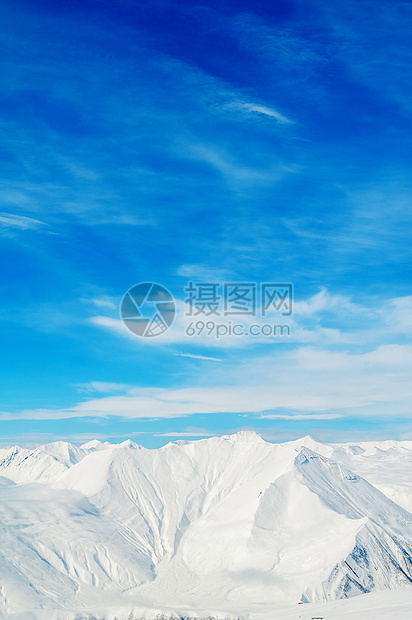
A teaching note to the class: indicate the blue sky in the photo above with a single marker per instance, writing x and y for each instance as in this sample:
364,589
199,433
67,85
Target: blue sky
208,142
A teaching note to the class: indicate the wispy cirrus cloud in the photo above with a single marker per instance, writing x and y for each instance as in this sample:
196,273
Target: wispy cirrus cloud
200,272
265,110
22,222
237,172
199,357
102,302
103,387
397,314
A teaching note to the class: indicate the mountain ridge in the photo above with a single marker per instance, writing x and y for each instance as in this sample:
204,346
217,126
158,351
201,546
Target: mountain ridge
234,522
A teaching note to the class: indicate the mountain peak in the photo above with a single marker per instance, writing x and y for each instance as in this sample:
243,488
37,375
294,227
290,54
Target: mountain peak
94,443
128,443
245,437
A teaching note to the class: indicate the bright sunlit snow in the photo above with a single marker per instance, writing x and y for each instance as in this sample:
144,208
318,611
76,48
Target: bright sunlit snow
227,526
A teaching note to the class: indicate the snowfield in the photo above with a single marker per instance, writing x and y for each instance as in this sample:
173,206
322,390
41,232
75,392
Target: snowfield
224,527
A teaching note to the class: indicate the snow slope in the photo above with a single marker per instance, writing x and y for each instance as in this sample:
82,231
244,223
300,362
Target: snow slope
231,525
47,462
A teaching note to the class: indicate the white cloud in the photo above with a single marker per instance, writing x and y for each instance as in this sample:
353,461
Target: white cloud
199,272
103,387
324,301
267,111
304,382
102,302
199,357
327,373
348,324
9,220
309,416
114,325
237,174
397,314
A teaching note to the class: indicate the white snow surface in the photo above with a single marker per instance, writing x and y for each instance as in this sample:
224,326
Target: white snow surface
227,527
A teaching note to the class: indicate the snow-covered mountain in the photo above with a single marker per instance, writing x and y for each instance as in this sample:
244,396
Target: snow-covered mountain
231,525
